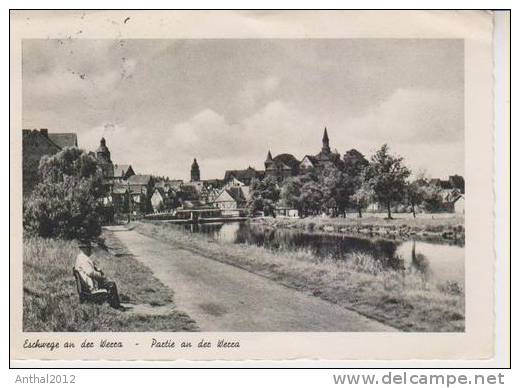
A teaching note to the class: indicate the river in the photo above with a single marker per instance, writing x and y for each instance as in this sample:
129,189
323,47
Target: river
436,262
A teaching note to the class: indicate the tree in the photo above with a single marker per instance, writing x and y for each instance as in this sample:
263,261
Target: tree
311,197
354,162
386,177
359,194
415,193
264,195
334,190
432,197
361,198
290,193
66,203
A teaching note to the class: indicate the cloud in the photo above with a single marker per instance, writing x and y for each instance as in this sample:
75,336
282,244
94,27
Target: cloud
282,127
207,135
269,84
256,92
161,103
120,139
413,117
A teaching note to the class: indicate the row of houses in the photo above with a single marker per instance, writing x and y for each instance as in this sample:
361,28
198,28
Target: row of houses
131,193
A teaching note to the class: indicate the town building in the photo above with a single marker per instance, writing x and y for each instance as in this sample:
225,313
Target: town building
452,190
188,192
122,172
195,171
63,140
286,165
163,199
243,176
106,169
104,161
454,182
284,211
281,166
37,143
119,198
459,205
231,201
327,158
131,195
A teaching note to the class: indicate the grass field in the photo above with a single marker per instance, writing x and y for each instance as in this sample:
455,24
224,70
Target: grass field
402,300
50,300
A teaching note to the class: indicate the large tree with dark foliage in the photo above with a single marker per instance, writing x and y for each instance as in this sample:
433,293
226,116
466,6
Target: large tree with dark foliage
264,195
432,198
386,177
311,197
290,193
66,202
335,190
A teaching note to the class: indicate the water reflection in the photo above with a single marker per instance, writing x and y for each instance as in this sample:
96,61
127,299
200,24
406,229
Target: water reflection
433,261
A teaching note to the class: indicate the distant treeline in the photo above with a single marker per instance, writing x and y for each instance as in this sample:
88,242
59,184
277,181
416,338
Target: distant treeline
384,179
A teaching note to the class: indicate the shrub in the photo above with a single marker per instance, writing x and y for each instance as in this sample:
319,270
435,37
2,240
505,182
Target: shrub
66,202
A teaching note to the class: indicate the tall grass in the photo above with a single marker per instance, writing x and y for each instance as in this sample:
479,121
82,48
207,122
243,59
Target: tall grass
50,300
402,299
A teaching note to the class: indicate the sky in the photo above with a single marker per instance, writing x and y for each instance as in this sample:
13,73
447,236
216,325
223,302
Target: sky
161,103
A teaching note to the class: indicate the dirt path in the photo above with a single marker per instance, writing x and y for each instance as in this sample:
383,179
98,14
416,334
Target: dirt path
220,297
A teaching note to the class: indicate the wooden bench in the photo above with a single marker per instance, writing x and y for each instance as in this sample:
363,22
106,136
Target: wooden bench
85,295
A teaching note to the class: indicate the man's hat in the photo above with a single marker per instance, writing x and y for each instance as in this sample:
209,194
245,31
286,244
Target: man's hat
84,243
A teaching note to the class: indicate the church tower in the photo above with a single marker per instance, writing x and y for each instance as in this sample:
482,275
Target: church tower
103,159
269,164
195,171
269,160
103,153
325,148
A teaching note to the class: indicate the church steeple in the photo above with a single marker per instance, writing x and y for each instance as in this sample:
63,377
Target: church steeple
325,142
269,163
195,171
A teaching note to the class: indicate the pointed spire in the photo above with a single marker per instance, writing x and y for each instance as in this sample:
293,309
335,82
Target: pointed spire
103,141
325,148
325,136
269,156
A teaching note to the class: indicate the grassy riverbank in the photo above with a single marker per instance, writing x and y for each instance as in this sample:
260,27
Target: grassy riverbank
425,226
50,300
361,283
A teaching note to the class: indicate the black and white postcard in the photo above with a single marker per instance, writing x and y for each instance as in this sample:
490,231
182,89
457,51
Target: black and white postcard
252,185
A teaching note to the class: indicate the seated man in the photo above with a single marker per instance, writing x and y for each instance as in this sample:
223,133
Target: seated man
93,276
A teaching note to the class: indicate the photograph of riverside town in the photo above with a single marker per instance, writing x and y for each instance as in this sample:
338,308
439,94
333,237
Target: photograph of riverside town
243,185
